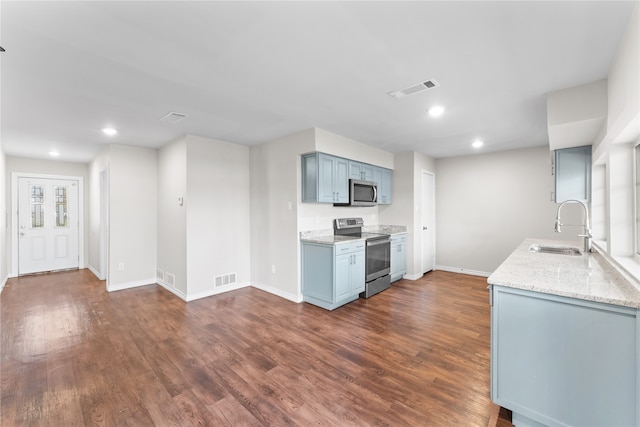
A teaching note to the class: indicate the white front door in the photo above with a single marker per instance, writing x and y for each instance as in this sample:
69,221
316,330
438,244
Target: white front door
428,221
48,225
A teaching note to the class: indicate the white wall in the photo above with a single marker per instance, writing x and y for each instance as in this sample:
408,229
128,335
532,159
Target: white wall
95,221
4,213
487,204
45,167
406,208
218,214
133,208
341,146
172,218
275,200
623,87
613,154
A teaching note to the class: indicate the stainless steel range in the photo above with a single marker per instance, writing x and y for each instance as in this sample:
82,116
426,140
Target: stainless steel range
377,254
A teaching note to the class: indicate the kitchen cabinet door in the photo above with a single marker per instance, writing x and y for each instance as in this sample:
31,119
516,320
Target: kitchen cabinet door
341,180
361,171
343,276
563,361
324,179
382,177
358,272
572,174
398,256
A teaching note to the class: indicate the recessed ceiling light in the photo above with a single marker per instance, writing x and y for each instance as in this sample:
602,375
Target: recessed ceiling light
54,153
436,111
109,131
477,143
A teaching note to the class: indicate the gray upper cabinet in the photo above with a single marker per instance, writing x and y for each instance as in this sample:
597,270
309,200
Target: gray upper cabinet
325,178
382,177
572,174
361,171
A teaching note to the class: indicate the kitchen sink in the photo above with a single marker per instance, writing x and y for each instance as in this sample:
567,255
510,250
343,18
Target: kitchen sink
558,250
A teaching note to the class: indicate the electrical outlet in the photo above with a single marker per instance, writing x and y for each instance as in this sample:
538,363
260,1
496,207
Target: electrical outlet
121,266
273,268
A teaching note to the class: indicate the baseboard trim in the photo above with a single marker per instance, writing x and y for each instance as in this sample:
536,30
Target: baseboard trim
412,276
216,291
95,272
462,270
171,289
286,295
4,282
129,285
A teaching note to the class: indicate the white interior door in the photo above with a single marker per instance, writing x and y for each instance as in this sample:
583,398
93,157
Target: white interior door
48,225
428,221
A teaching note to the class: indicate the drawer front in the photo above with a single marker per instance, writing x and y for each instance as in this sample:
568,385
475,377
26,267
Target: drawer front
347,248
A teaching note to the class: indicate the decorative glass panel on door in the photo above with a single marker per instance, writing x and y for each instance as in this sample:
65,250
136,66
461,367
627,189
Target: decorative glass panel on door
37,206
61,206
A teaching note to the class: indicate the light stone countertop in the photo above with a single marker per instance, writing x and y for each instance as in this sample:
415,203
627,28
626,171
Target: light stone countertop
385,229
326,236
588,277
329,239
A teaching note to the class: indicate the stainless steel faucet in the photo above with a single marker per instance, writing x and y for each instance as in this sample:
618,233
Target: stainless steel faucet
587,226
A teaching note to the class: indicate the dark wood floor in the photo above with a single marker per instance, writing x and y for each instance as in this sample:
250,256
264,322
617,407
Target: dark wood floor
73,354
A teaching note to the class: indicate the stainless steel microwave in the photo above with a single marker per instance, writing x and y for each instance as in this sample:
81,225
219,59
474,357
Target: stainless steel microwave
362,193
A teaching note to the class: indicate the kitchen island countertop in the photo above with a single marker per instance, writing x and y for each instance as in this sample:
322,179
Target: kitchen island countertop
588,276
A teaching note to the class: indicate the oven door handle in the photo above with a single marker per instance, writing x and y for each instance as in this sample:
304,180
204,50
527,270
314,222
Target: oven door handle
378,242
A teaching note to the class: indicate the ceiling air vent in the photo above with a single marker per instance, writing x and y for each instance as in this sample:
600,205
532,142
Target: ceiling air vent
418,87
173,117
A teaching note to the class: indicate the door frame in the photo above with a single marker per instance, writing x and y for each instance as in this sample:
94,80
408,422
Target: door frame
433,192
15,176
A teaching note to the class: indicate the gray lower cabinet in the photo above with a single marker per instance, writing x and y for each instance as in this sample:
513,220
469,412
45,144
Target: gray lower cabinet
558,361
398,256
325,178
332,274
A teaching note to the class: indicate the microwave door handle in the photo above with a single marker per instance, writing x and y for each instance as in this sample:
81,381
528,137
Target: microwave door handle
375,193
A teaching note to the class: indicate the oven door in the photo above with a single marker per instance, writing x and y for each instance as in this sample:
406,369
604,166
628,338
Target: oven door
378,254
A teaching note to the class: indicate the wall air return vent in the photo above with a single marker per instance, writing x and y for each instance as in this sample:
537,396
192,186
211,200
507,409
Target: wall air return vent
173,117
413,89
225,279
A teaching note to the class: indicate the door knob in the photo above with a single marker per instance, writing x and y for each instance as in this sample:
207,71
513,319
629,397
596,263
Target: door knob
424,227
22,233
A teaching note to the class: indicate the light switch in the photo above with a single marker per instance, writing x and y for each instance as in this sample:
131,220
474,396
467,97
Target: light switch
180,201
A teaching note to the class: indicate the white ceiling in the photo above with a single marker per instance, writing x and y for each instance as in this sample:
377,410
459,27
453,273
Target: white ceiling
250,72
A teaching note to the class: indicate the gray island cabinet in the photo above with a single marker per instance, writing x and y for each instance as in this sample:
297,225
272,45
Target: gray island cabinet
333,274
564,341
